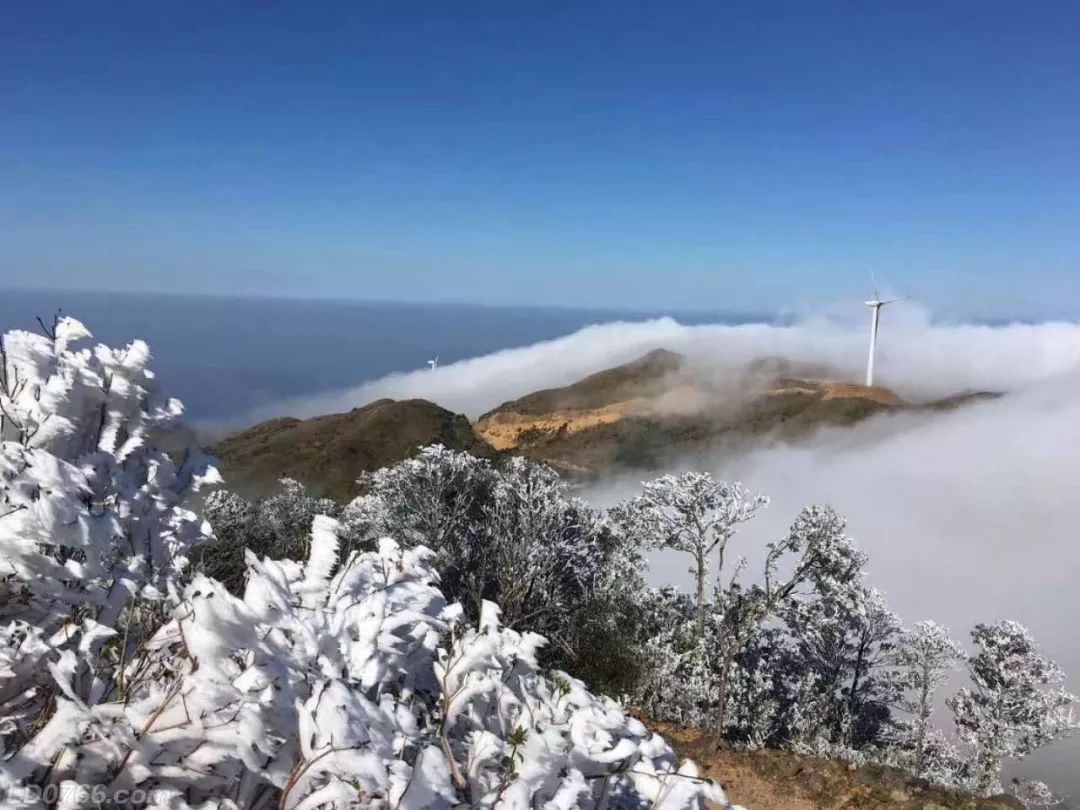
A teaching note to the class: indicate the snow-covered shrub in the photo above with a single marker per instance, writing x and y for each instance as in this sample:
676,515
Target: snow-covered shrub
832,637
275,525
358,689
94,528
1035,794
432,499
543,553
844,633
772,703
510,533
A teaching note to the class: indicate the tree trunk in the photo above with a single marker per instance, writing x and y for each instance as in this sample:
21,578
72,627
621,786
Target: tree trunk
924,716
853,701
699,623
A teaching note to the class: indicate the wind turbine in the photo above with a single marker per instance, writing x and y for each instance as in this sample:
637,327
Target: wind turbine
875,304
433,363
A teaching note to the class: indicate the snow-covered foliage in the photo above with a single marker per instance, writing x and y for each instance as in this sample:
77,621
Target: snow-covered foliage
512,534
793,659
305,660
810,656
1035,794
431,499
361,688
926,655
692,513
94,524
1016,704
844,633
329,683
275,525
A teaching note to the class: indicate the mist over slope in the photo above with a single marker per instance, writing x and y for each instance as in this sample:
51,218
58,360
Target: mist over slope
920,359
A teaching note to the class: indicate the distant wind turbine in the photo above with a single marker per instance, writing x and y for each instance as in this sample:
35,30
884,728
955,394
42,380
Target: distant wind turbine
433,362
875,304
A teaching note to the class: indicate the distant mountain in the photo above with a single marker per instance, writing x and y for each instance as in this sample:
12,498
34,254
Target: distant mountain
648,376
638,415
328,453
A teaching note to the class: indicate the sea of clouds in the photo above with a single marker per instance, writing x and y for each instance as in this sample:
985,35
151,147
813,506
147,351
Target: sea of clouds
917,357
970,515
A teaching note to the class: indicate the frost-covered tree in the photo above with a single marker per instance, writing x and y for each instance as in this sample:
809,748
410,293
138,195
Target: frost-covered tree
1016,703
774,704
94,524
664,644
543,552
846,637
925,656
793,659
694,514
512,534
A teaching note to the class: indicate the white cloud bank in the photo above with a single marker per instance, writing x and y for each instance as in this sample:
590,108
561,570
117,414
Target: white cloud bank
917,358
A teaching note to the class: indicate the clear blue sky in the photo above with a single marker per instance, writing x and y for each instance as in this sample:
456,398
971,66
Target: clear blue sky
654,155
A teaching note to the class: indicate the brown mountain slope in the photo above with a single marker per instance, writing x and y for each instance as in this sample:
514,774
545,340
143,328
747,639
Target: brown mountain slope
645,412
327,453
640,415
594,402
630,435
648,376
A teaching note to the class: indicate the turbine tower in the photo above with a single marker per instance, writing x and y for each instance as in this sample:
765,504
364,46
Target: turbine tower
875,305
433,363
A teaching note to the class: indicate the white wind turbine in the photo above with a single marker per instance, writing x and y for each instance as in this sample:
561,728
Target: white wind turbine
875,304
433,363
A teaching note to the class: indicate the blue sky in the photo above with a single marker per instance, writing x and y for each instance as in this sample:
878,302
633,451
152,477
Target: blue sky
648,155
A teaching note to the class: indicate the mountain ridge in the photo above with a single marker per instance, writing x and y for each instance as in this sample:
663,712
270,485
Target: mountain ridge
637,415
327,453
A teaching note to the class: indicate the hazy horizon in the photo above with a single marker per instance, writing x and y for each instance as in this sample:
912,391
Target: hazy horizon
322,346
216,355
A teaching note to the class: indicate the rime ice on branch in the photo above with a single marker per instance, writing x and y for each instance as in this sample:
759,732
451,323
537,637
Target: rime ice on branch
94,524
